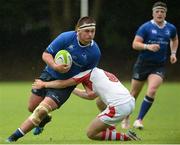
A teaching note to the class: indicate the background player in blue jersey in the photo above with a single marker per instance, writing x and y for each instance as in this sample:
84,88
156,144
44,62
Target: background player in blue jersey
152,40
85,54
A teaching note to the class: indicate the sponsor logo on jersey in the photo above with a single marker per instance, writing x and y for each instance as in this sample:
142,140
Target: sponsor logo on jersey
56,98
159,73
136,75
154,31
71,47
84,56
167,32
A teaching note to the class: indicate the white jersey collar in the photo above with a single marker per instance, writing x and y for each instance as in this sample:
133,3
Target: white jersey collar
154,23
90,44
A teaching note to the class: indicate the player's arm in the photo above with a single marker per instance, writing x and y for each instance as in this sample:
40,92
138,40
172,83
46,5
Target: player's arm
83,94
138,44
49,60
174,45
38,84
87,94
52,49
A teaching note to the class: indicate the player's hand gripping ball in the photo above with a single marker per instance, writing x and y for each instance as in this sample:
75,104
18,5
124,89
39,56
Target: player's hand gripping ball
63,57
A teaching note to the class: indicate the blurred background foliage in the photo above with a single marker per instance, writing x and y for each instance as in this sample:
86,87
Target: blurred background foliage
28,26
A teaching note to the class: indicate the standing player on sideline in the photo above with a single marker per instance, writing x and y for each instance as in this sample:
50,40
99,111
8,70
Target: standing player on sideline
85,54
152,40
117,98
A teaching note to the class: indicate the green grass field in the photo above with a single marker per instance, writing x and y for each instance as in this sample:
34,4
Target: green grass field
162,123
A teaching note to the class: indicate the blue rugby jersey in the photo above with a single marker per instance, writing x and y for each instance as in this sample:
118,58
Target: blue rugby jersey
152,34
84,57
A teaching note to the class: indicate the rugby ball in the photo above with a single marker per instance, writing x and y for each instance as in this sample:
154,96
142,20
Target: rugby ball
63,57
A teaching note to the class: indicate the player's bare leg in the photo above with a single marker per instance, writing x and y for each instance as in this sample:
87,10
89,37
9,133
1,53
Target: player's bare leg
125,124
102,106
46,106
136,87
97,130
39,129
154,81
34,101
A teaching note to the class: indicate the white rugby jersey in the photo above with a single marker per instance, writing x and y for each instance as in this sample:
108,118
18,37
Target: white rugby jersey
106,85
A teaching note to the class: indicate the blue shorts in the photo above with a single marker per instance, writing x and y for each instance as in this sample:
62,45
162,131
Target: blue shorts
60,96
142,70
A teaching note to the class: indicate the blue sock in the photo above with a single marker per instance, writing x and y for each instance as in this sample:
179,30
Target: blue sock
145,106
16,135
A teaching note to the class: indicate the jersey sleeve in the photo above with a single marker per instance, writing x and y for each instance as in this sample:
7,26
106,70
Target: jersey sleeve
141,31
83,76
173,31
56,45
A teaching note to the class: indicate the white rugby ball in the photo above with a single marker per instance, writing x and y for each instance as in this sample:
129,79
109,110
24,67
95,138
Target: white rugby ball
63,57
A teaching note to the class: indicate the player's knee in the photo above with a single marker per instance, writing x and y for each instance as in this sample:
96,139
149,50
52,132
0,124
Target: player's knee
90,134
39,113
152,91
134,93
30,108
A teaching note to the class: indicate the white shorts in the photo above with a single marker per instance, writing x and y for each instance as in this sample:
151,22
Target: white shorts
115,114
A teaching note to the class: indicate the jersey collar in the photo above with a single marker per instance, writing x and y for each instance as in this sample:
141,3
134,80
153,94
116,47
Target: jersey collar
154,23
